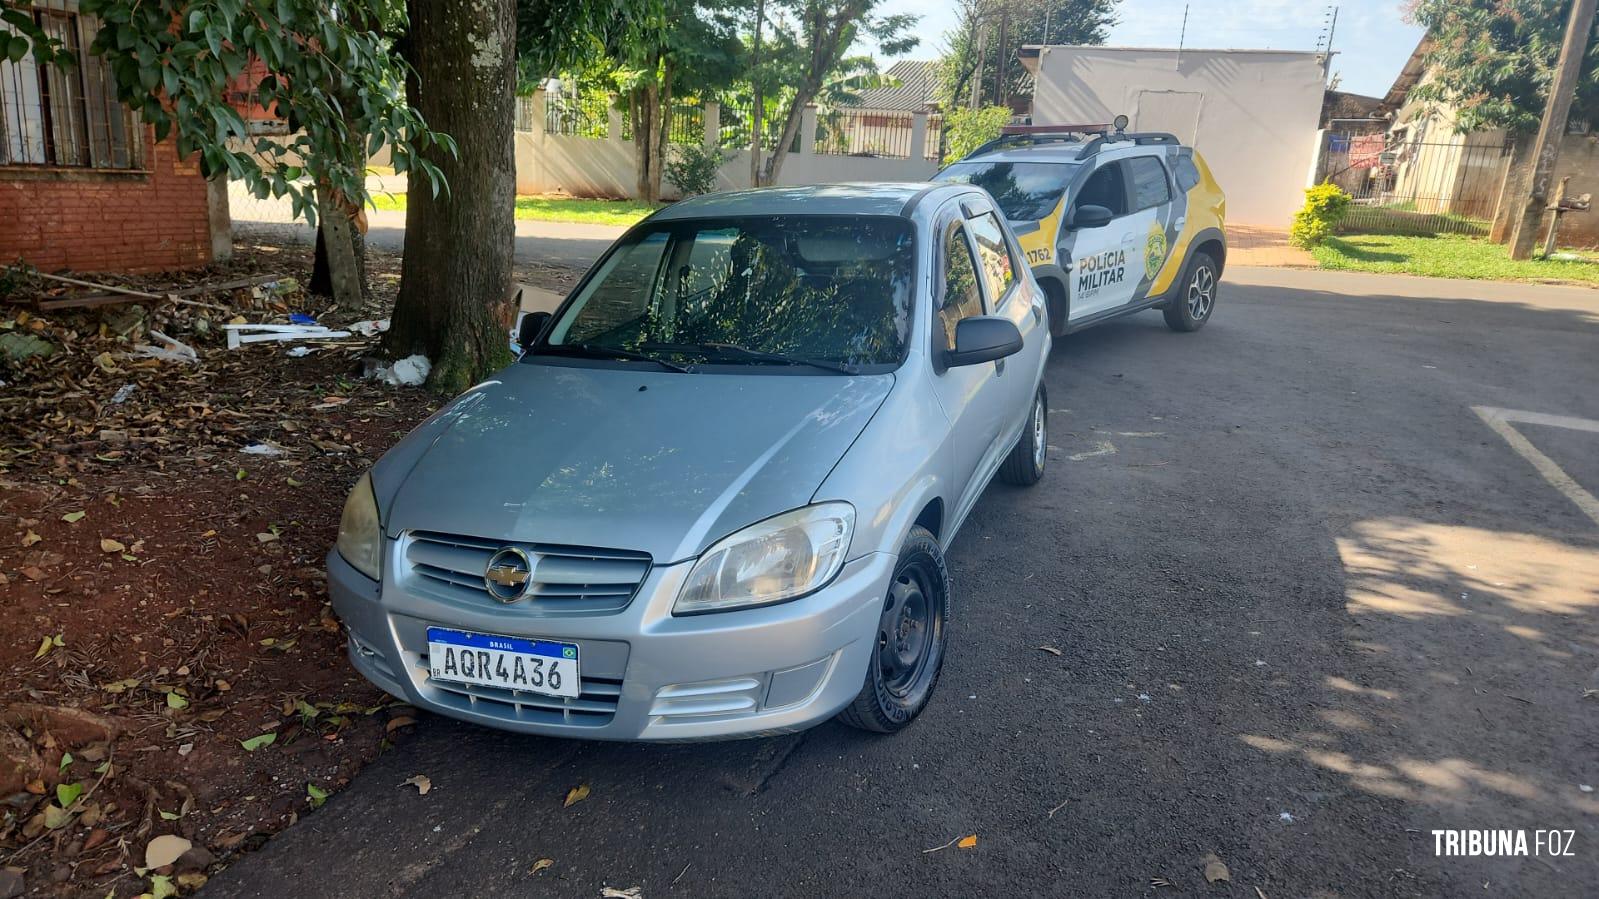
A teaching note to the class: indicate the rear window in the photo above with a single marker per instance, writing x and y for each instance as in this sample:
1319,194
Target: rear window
1025,191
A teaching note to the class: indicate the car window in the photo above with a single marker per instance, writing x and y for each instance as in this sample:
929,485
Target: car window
1025,191
822,287
1187,174
961,298
1105,188
993,255
620,293
1150,187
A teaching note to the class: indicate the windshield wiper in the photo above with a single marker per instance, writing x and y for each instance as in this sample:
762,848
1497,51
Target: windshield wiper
733,349
596,350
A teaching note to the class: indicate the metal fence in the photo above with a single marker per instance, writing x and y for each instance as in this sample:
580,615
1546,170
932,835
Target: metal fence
584,113
1403,185
864,132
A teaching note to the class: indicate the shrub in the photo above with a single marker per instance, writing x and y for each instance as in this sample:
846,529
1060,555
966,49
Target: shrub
1325,206
967,129
693,168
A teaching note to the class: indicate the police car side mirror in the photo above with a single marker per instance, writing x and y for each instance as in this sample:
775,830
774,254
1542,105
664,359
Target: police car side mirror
1089,216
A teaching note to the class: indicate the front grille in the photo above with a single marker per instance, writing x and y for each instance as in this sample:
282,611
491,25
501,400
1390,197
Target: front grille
565,578
595,706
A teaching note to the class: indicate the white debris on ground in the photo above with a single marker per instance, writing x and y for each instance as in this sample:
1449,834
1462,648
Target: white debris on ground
408,372
262,449
172,351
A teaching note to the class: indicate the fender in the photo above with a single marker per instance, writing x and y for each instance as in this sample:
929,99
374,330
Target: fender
1049,271
1200,237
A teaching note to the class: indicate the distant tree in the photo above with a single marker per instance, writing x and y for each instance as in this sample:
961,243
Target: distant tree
979,65
967,129
819,39
1492,62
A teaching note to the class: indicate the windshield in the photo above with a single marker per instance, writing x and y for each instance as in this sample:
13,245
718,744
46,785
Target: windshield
1026,191
750,291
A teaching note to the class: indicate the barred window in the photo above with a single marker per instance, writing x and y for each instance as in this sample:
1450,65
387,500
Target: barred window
64,116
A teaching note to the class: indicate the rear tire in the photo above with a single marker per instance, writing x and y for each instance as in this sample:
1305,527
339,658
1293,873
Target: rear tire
908,646
1025,464
1194,303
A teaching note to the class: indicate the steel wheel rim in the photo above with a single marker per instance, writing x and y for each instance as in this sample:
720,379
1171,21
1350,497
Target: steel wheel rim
1040,442
1201,293
905,632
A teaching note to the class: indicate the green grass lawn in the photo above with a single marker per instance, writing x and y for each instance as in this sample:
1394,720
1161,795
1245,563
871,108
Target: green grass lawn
1445,256
558,209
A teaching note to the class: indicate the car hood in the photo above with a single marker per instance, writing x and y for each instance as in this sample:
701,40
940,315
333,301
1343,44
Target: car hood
623,458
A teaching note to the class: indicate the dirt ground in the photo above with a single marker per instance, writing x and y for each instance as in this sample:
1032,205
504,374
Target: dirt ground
170,665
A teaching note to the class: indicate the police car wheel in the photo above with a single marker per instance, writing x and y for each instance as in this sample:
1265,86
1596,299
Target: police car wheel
1196,300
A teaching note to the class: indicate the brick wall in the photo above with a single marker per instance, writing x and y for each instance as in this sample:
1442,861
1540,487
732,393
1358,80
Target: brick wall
87,221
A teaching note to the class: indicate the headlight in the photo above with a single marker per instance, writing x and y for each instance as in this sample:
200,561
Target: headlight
783,557
360,538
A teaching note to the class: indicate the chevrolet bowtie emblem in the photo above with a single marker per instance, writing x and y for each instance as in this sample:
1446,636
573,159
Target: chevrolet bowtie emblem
509,574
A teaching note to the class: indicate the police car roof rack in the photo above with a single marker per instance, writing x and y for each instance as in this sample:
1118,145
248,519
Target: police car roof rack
1033,135
1097,136
1137,138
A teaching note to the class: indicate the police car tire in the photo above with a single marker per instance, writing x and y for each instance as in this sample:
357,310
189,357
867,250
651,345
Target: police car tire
1057,306
1178,315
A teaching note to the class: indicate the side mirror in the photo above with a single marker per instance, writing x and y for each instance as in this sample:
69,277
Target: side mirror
1089,216
983,338
531,329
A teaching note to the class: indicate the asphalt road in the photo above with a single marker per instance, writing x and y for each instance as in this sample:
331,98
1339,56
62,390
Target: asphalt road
1309,607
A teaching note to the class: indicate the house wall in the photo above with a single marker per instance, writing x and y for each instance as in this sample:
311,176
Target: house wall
1251,113
604,167
1579,158
104,220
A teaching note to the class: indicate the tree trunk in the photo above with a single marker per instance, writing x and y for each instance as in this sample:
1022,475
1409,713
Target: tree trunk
1517,172
648,138
791,126
455,300
756,108
340,275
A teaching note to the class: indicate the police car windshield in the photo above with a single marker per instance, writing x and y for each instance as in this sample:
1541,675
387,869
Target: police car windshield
1026,191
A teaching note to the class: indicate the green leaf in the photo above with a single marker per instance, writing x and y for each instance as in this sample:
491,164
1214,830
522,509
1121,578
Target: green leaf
73,517
174,701
169,816
17,48
66,761
317,795
66,794
254,743
56,817
161,887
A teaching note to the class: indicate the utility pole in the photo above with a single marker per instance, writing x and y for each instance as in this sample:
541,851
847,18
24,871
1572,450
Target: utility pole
1546,148
1002,58
757,105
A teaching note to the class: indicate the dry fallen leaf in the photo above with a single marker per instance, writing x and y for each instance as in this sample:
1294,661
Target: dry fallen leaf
422,783
30,538
107,545
614,893
1215,870
967,842
1051,650
397,723
540,865
575,795
164,850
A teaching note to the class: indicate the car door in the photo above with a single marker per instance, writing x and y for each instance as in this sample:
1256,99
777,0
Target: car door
1012,295
1156,220
1100,277
970,395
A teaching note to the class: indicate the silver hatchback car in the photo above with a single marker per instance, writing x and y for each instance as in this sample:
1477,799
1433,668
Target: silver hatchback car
712,497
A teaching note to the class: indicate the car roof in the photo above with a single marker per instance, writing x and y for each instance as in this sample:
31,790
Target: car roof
885,198
1050,152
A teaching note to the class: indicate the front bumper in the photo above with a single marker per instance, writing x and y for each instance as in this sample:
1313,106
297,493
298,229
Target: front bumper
645,674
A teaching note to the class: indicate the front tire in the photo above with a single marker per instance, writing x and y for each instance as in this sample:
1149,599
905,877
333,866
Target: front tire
912,632
1190,309
1025,464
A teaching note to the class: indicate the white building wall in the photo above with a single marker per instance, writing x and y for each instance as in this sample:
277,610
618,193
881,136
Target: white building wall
1251,113
604,167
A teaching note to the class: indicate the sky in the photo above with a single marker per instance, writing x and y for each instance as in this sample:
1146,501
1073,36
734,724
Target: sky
1371,43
